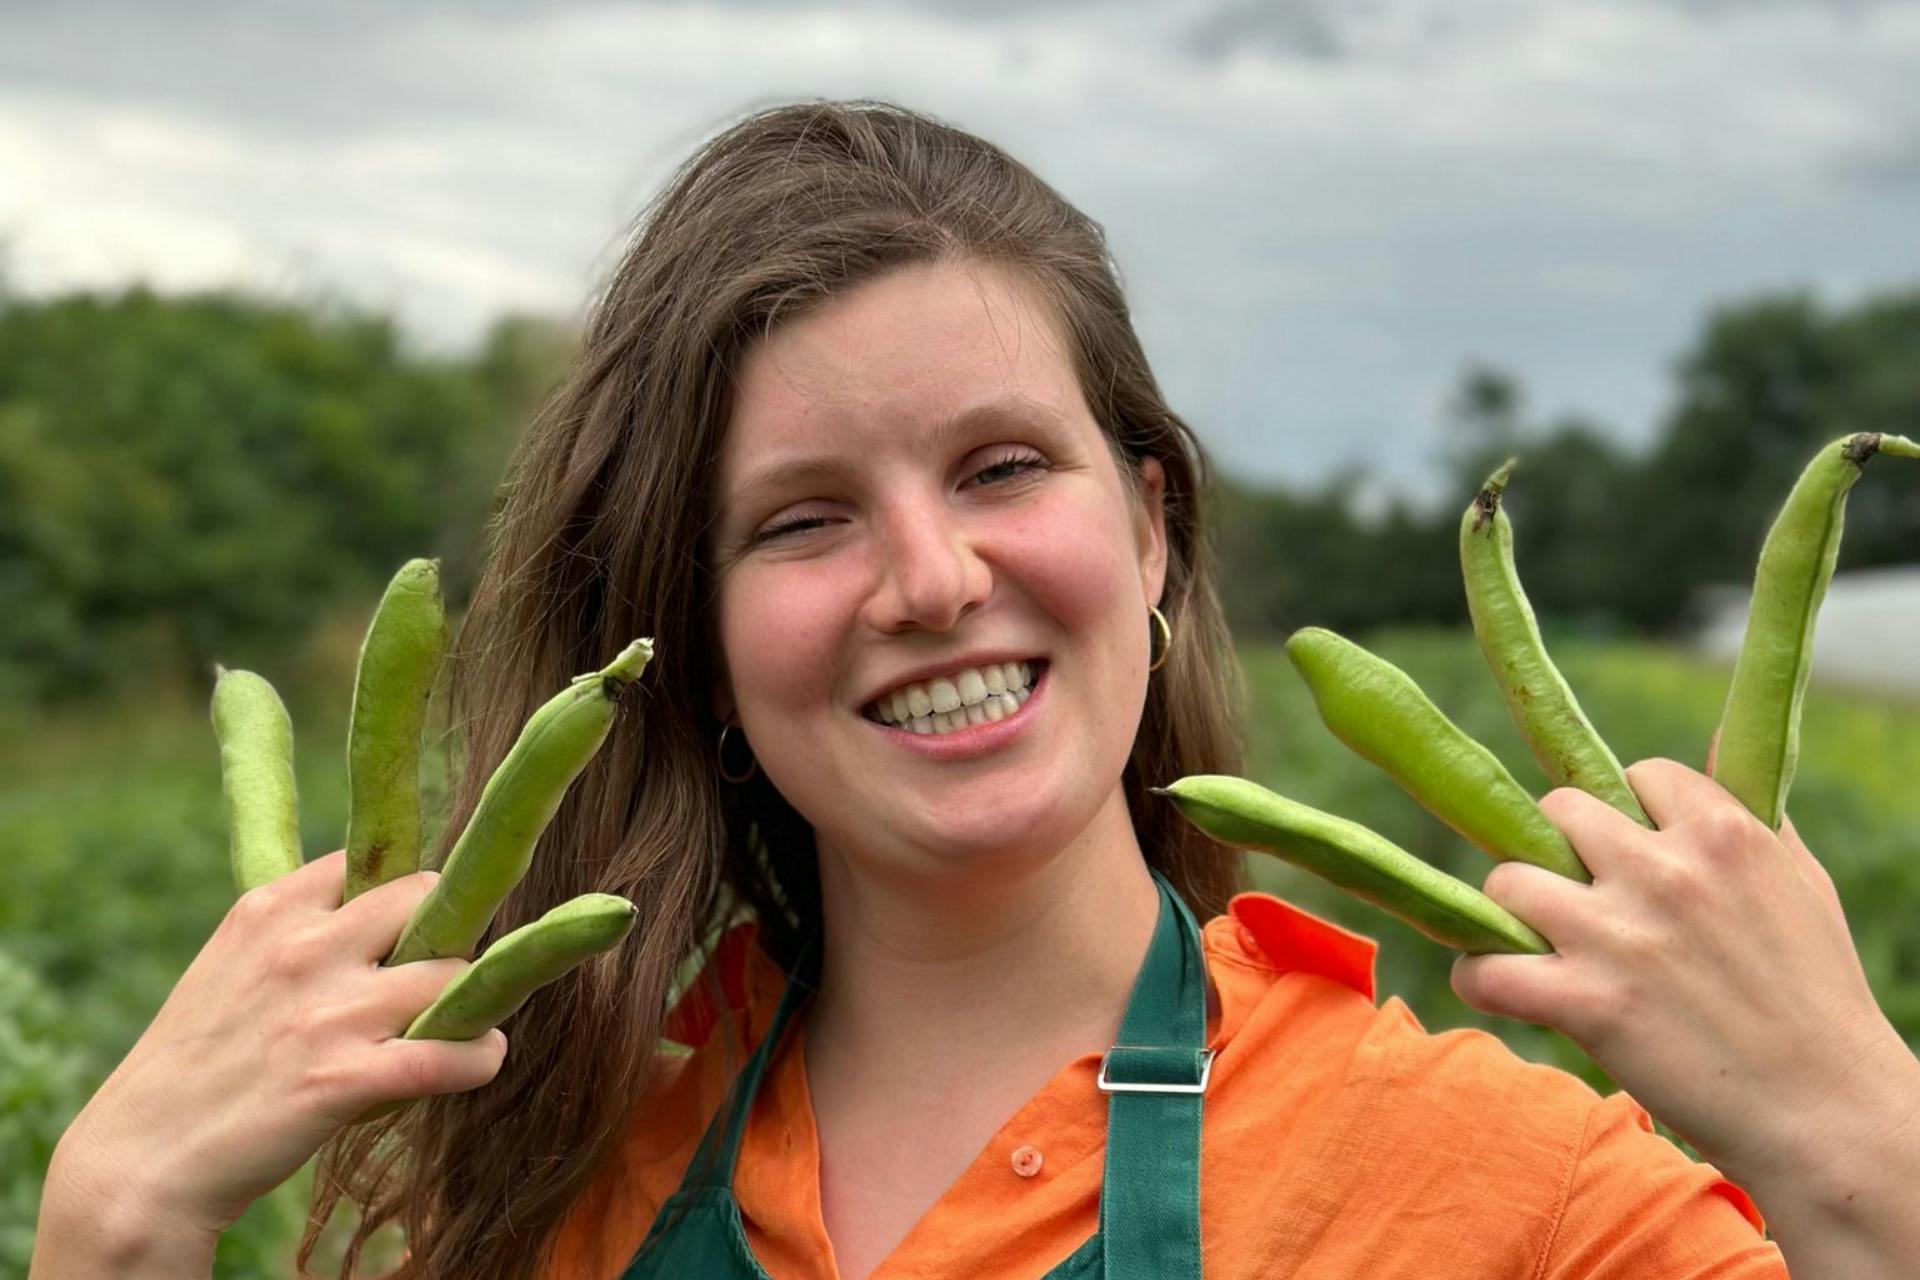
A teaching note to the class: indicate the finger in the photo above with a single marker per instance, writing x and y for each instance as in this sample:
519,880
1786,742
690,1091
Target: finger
1553,905
408,990
1598,832
377,916
1532,989
318,883
1810,867
1672,793
419,1068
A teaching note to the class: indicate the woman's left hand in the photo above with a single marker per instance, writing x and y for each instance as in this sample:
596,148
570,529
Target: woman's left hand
1708,969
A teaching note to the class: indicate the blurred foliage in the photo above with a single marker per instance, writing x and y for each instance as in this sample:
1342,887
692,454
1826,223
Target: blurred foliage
191,479
43,1082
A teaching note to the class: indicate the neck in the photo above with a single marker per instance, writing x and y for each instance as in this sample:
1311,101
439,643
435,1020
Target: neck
983,966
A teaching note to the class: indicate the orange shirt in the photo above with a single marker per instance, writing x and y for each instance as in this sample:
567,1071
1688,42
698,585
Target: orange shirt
1340,1139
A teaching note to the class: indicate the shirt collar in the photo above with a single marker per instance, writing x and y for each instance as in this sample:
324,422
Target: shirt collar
1270,930
1291,940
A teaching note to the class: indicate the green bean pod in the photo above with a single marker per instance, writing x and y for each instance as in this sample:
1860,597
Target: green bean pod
491,989
519,800
1538,698
399,658
1760,724
1363,862
256,774
1381,713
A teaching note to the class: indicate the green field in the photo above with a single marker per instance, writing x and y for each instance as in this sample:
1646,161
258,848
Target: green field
115,868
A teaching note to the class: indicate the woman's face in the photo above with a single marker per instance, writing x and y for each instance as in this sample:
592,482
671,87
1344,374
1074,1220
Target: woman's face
911,483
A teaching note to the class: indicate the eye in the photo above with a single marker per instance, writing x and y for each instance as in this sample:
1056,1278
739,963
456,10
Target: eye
1019,460
780,527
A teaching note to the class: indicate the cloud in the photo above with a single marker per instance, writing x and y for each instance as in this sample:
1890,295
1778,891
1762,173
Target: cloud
1721,10
1308,29
1893,161
1323,208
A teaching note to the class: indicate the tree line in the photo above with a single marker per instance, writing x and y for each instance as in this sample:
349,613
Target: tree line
190,477
1609,539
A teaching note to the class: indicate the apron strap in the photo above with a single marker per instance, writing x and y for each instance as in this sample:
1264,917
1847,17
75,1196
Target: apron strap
1155,1079
713,1161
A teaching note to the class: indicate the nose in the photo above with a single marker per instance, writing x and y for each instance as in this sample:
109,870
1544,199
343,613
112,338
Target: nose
930,572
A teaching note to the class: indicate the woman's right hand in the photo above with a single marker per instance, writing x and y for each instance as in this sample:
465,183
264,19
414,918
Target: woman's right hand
283,1030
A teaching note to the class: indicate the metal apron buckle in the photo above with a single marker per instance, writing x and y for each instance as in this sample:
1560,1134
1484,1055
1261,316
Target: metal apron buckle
1121,1086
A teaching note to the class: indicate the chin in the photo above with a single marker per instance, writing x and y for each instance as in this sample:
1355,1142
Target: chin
1016,843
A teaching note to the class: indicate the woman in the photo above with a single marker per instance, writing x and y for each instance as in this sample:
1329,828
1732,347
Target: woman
884,381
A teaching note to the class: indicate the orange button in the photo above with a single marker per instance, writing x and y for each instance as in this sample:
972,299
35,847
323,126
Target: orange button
1027,1161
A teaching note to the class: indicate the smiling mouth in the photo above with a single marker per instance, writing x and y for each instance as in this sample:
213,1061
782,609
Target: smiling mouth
910,708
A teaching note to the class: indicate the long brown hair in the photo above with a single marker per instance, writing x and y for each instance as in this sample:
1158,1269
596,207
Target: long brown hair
603,506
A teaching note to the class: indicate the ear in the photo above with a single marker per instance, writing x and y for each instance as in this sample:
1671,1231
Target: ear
1150,529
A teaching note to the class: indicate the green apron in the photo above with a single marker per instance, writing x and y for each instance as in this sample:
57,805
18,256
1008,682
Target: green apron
1150,1193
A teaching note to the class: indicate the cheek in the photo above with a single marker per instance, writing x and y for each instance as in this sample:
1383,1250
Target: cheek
1080,556
780,632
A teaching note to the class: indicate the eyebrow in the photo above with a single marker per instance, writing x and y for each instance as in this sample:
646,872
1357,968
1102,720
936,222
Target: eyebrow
813,469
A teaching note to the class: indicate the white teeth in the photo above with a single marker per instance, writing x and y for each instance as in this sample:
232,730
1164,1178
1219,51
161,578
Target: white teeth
994,708
953,695
945,696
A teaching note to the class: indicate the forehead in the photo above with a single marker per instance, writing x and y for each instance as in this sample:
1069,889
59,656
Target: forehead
922,347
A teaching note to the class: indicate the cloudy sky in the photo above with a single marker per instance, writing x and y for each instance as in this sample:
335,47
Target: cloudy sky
1324,208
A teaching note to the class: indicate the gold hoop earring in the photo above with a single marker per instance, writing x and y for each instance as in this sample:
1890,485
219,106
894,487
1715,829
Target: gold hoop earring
1159,622
721,753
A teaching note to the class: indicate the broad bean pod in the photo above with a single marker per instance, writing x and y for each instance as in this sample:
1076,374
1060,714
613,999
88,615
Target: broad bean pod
1383,715
491,989
256,774
1538,697
1366,864
393,682
1759,746
519,800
